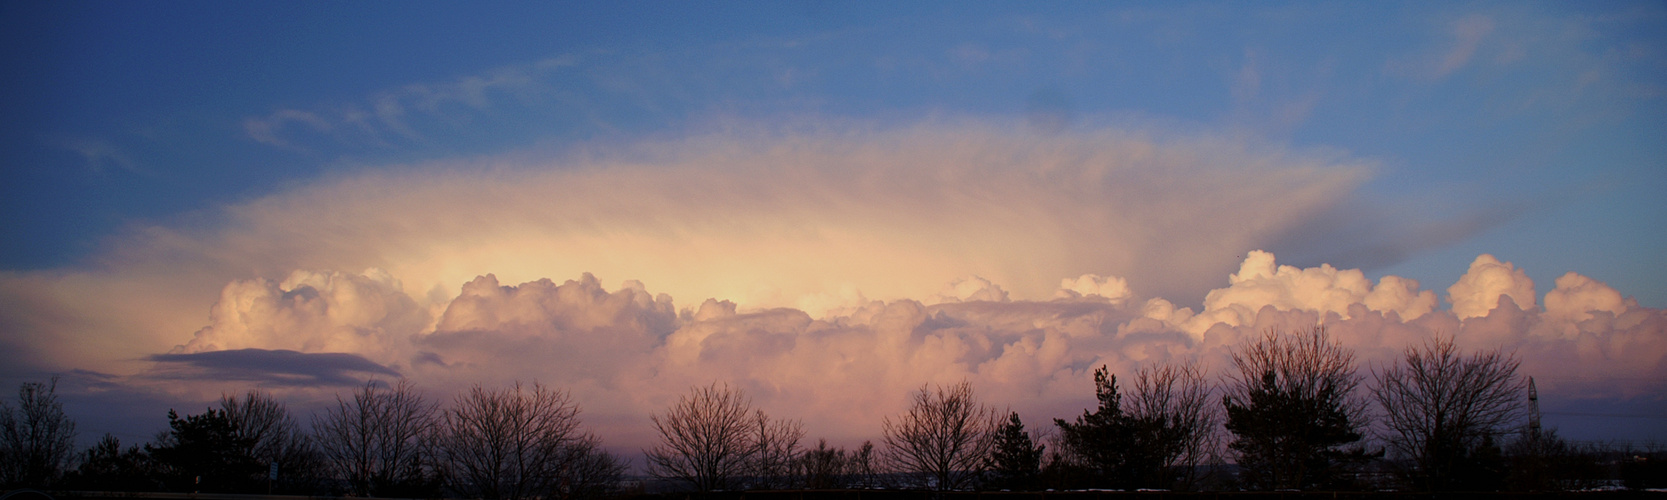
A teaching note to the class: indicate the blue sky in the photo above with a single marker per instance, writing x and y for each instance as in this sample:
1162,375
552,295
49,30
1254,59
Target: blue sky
161,148
1534,127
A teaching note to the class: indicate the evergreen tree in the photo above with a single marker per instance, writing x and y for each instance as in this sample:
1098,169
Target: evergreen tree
106,467
1293,412
1017,461
1108,441
206,453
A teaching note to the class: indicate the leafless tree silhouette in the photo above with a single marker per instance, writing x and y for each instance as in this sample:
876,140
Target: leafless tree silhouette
1442,408
36,438
775,451
943,438
377,441
272,434
706,439
518,443
1175,399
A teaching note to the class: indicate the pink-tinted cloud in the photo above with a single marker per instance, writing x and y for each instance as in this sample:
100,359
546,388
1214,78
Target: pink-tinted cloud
628,352
827,272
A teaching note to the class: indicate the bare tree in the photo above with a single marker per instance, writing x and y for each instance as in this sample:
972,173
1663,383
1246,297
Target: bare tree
706,439
862,468
376,442
273,436
1175,401
943,438
775,451
1443,408
824,467
1293,408
36,438
518,443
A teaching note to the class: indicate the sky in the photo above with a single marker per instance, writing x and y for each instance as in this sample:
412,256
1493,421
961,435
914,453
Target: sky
824,204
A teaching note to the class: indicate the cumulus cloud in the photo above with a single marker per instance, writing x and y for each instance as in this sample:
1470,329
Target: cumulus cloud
817,217
1481,287
809,268
1113,289
626,352
311,311
1260,283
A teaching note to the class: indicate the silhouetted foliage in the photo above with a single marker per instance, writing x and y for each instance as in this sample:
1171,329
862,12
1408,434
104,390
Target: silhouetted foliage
1150,441
107,467
1445,413
1292,409
1641,469
378,442
274,438
824,467
1540,460
1016,462
1096,449
36,438
515,443
206,453
944,438
706,441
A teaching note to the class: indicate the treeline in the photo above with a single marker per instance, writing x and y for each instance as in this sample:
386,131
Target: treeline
382,441
1294,412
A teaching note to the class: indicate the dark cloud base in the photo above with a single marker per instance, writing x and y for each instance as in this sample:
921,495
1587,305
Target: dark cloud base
275,367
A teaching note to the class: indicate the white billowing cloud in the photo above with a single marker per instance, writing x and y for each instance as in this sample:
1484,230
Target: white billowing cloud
1576,297
811,270
627,352
819,217
969,289
1260,283
313,312
1488,279
1109,288
823,220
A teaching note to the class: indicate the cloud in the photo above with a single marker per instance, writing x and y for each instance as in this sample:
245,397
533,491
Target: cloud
627,352
100,155
1455,47
1467,35
1480,289
264,366
454,101
1260,283
311,311
832,216
827,271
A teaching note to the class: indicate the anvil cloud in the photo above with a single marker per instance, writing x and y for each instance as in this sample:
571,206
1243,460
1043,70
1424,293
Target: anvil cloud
828,271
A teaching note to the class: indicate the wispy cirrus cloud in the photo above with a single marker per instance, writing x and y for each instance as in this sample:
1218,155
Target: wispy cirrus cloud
389,115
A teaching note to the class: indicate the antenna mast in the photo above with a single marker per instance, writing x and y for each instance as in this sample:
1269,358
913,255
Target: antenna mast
1533,408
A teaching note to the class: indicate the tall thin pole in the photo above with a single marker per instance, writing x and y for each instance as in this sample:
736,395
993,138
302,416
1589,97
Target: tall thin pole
1533,408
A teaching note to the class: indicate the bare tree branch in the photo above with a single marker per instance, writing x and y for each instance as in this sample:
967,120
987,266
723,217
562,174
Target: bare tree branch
943,438
1440,407
706,439
36,438
377,441
517,443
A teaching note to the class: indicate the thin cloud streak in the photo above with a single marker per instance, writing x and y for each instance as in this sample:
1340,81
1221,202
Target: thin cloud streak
269,367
